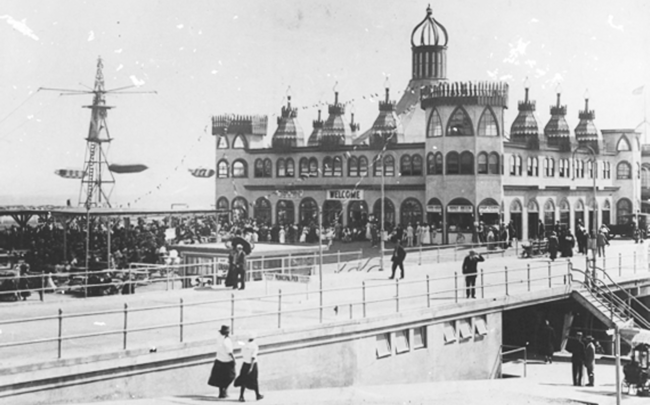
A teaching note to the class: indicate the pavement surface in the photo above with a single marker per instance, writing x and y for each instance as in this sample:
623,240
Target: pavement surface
544,384
432,278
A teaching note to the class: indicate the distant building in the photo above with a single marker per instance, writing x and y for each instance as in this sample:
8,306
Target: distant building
447,161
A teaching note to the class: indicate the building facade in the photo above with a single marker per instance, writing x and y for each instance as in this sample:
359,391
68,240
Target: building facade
440,156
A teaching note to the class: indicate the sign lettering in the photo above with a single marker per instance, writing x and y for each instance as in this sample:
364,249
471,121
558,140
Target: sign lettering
460,208
343,194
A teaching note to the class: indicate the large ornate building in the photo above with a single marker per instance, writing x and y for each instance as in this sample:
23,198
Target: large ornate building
441,154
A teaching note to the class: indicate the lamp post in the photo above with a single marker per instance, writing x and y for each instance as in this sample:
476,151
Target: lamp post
594,173
383,209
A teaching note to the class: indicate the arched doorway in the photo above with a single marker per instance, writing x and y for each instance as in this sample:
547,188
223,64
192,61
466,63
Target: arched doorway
579,213
460,221
411,212
262,211
308,212
434,220
357,214
607,207
593,213
239,209
284,212
533,219
223,208
389,213
516,217
623,208
549,215
565,215
332,211
489,212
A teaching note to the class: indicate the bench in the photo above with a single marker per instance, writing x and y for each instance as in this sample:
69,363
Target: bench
535,248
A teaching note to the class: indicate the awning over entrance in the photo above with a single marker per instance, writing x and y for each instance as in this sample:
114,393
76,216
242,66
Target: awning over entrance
635,336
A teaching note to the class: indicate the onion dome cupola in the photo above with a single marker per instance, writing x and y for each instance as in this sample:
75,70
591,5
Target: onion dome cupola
316,132
586,131
429,47
289,134
557,130
336,131
524,128
387,127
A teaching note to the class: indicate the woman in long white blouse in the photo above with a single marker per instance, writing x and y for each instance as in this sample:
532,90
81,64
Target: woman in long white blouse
426,235
282,235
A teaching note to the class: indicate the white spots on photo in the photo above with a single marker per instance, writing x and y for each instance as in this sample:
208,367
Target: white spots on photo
91,36
99,323
119,67
214,71
118,50
534,20
20,26
610,21
235,17
516,50
530,63
180,26
136,81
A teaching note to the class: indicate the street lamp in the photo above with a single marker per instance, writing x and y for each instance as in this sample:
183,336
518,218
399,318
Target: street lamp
383,203
594,173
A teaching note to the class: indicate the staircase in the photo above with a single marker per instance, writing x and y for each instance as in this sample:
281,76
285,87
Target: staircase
599,297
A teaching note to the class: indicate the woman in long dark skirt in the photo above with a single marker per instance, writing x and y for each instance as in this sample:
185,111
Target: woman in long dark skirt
248,373
223,370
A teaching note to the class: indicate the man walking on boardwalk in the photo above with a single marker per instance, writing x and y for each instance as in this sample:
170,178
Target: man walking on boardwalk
469,270
399,254
576,347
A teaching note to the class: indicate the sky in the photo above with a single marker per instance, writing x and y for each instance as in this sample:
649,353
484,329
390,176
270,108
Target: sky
204,58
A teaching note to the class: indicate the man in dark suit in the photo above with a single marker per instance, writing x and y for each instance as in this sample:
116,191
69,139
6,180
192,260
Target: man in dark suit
469,270
576,346
398,259
238,263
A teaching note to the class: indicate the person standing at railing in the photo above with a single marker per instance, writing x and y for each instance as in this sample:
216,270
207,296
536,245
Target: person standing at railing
238,266
223,369
590,359
470,271
399,254
553,244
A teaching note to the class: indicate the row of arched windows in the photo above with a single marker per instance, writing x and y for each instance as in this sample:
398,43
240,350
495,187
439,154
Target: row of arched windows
581,169
460,124
239,142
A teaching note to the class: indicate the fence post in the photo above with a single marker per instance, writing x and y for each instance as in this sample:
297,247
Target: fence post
126,324
506,273
528,275
42,292
232,313
397,293
428,293
363,293
454,253
338,261
181,324
60,332
350,311
549,275
456,286
438,256
516,247
279,309
482,285
619,264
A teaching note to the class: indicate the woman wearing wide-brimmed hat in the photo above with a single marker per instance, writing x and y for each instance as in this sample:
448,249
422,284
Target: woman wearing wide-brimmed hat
248,373
223,370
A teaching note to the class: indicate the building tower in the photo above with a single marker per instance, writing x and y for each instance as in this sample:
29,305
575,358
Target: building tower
316,132
557,130
586,132
387,127
524,128
98,181
335,131
289,133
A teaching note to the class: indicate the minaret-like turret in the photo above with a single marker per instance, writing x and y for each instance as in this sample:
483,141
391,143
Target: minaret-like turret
289,133
586,131
524,128
557,130
316,132
387,127
335,130
429,47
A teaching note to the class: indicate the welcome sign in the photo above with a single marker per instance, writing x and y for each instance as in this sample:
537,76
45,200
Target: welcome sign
343,194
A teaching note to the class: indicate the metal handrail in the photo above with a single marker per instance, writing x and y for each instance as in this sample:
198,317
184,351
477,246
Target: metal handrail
516,349
627,294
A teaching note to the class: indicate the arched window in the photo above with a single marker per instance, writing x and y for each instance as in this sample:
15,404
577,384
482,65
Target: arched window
308,212
389,210
416,165
493,163
259,168
482,163
623,171
531,166
623,210
389,166
262,211
549,167
284,212
439,163
607,170
453,163
564,170
222,143
515,165
487,125
281,168
411,212
460,124
435,125
638,170
623,145
239,169
313,167
549,214
304,167
268,168
222,169
377,167
223,207
363,166
328,167
405,165
239,209
291,167
338,166
466,163
353,167
239,142
431,169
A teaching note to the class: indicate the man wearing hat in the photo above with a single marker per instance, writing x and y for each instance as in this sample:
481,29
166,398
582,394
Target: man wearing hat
469,270
576,347
248,373
237,267
223,369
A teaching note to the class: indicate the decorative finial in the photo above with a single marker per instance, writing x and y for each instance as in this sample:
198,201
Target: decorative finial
429,12
387,87
288,96
336,93
527,87
587,100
